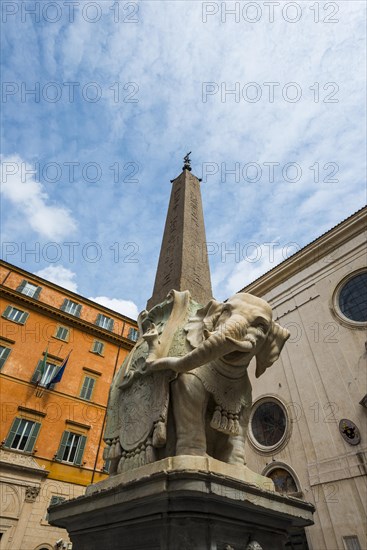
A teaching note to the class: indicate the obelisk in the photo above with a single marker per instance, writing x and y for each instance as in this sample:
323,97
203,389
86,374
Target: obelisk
183,261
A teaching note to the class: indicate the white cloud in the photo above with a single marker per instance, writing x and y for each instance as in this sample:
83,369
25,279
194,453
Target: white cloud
31,200
125,307
67,279
169,53
60,276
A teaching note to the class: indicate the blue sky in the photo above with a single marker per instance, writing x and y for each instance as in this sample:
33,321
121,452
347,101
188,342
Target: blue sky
125,89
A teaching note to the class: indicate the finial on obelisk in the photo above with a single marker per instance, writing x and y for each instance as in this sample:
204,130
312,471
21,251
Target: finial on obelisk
187,161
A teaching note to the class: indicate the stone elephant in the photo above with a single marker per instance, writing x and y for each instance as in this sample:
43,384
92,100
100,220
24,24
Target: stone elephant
185,389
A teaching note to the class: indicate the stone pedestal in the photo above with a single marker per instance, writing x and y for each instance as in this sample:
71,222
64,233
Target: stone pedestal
182,503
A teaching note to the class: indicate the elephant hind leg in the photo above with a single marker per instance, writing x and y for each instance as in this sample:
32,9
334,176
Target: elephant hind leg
189,399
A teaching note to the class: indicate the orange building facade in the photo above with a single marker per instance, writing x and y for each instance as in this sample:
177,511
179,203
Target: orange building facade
51,428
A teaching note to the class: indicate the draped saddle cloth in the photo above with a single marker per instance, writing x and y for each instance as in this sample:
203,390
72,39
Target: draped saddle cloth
231,390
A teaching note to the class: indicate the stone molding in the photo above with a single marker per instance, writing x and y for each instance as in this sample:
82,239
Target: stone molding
15,460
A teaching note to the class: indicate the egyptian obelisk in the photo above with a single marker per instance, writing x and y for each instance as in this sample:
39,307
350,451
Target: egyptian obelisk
183,261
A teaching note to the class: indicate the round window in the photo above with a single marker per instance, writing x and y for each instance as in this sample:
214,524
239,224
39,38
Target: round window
268,424
353,298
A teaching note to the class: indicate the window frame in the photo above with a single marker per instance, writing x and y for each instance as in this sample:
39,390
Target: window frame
9,309
79,450
354,540
2,358
135,331
31,437
23,286
75,310
269,449
87,387
93,350
100,322
335,307
62,327
278,465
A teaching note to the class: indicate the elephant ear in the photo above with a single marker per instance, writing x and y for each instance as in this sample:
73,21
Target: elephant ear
203,322
271,349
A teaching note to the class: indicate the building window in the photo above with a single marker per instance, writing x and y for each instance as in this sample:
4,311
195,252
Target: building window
87,388
29,289
15,315
97,347
268,424
352,299
71,307
4,354
62,333
133,334
45,377
104,322
71,448
351,542
23,434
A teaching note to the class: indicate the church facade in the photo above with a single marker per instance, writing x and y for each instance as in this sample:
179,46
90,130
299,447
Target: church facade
308,423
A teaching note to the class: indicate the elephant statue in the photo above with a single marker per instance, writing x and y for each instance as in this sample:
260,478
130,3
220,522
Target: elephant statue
184,389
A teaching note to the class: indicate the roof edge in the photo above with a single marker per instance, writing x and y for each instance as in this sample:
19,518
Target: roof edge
317,249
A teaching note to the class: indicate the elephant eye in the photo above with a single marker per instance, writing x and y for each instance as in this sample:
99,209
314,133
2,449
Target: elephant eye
263,327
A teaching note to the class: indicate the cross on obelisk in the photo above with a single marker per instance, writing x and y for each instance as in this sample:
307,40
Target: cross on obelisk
183,261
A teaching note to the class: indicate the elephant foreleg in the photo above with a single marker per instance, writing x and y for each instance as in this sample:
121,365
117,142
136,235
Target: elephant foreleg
232,450
190,401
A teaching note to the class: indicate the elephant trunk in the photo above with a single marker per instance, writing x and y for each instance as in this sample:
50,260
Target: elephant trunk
218,344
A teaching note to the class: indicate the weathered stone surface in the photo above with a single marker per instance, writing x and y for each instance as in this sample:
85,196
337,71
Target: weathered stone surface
184,389
187,503
183,261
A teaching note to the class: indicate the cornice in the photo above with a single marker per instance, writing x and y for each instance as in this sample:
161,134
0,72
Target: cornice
60,315
311,253
68,293
15,460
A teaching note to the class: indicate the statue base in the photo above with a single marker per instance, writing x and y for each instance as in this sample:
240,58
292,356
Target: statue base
182,503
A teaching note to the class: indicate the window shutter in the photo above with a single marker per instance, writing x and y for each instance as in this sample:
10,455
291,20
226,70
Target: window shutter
87,388
64,439
21,286
84,388
80,450
7,311
23,317
91,383
63,305
98,320
37,293
13,430
110,324
32,437
36,373
4,356
78,310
